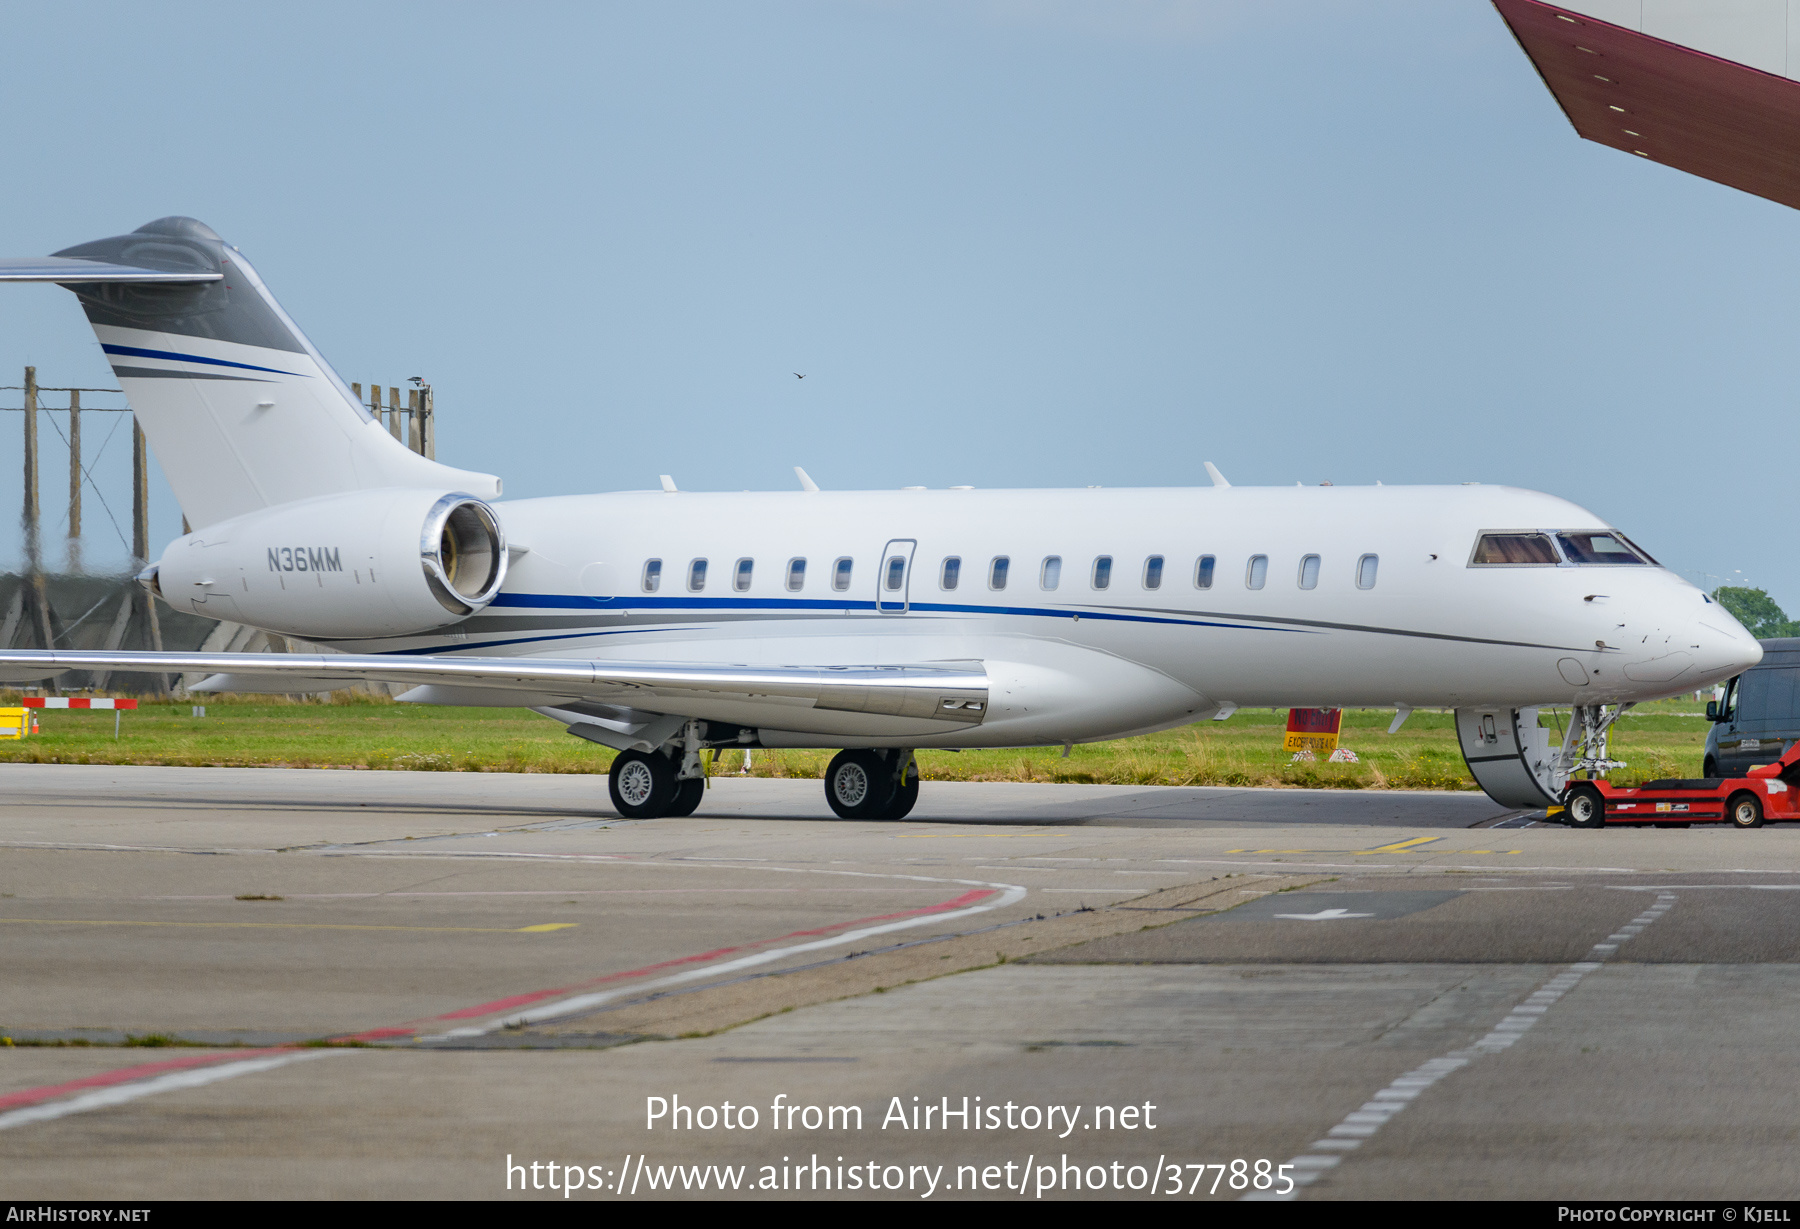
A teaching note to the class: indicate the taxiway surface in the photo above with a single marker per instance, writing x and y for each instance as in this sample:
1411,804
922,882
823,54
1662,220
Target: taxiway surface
1394,992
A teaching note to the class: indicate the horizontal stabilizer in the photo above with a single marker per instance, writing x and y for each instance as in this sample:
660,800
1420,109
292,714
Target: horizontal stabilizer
64,271
956,693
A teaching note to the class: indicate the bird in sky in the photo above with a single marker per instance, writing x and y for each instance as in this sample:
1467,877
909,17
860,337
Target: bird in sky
798,376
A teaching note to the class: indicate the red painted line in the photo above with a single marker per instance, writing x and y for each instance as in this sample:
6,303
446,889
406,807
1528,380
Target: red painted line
538,996
143,1071
124,1075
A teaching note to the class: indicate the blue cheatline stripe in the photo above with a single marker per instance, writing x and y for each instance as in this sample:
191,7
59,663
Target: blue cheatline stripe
134,352
567,601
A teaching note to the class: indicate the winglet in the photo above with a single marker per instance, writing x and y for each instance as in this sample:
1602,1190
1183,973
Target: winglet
806,482
668,484
1212,471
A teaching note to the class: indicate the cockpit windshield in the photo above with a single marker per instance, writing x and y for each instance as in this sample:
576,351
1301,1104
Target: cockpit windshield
1600,548
1513,550
1529,548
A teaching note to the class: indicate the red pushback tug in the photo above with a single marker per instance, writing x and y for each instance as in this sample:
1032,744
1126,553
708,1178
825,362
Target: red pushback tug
1770,792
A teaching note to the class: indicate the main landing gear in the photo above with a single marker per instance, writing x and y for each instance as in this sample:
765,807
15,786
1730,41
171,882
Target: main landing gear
670,782
644,786
877,784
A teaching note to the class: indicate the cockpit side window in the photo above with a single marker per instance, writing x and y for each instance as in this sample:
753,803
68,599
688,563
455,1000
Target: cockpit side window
1642,553
1513,550
1598,548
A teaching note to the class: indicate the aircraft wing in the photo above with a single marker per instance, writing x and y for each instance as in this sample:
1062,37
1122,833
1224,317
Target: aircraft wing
63,270
955,692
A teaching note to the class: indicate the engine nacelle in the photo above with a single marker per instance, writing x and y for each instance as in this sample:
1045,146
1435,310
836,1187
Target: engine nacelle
364,563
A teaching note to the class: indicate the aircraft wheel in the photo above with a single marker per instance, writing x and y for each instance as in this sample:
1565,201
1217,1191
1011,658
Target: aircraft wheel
643,786
688,796
859,785
1745,810
1585,807
904,799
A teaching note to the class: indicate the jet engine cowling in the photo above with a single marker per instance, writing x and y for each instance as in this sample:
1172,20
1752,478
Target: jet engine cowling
361,564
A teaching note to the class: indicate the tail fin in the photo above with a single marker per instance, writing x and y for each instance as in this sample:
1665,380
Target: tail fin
241,410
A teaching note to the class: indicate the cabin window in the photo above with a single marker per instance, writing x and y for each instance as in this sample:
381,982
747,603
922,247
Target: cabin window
697,575
1365,571
896,573
1102,571
740,579
997,572
1513,550
1051,576
1309,571
1257,572
652,575
840,575
1153,572
1203,572
952,572
796,579
1598,548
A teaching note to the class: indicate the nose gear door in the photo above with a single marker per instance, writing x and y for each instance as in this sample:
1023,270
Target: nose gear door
894,577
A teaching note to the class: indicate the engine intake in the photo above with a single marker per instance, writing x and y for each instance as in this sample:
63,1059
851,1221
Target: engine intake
464,553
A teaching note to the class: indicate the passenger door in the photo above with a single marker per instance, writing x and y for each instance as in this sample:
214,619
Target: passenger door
894,577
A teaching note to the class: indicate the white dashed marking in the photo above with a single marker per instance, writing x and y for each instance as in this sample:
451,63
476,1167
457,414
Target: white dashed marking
1347,1136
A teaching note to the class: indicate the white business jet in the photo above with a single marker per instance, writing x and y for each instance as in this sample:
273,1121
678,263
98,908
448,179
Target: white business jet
664,623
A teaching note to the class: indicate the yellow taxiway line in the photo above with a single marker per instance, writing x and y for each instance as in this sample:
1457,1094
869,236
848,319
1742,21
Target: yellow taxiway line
540,928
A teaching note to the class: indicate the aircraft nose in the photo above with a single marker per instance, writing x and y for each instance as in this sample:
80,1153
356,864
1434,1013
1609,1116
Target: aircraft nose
1722,647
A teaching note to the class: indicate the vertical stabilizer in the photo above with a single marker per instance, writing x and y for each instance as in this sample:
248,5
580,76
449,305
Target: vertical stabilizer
242,411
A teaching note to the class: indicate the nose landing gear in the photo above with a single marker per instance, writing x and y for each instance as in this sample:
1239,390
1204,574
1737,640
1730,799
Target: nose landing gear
1510,756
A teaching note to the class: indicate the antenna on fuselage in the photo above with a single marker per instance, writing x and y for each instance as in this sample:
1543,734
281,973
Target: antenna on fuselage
1212,471
806,482
668,484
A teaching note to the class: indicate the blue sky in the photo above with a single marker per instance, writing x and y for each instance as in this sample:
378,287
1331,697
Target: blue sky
1010,243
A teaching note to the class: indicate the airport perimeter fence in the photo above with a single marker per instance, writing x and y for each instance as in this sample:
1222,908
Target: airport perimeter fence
75,608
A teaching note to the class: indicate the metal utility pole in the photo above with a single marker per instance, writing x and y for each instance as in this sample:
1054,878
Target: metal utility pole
28,516
140,496
140,537
75,480
427,423
38,593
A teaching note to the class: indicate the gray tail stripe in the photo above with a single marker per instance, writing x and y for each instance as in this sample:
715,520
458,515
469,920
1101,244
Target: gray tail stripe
162,373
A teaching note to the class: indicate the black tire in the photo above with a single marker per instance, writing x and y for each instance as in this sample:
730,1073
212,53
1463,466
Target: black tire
1584,807
1710,768
859,784
1744,810
903,800
642,786
688,796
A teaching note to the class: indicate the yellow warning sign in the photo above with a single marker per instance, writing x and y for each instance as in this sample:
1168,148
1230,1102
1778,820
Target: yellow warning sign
1313,729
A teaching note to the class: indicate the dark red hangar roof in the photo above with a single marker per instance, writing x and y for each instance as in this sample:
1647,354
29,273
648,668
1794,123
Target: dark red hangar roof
1655,99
